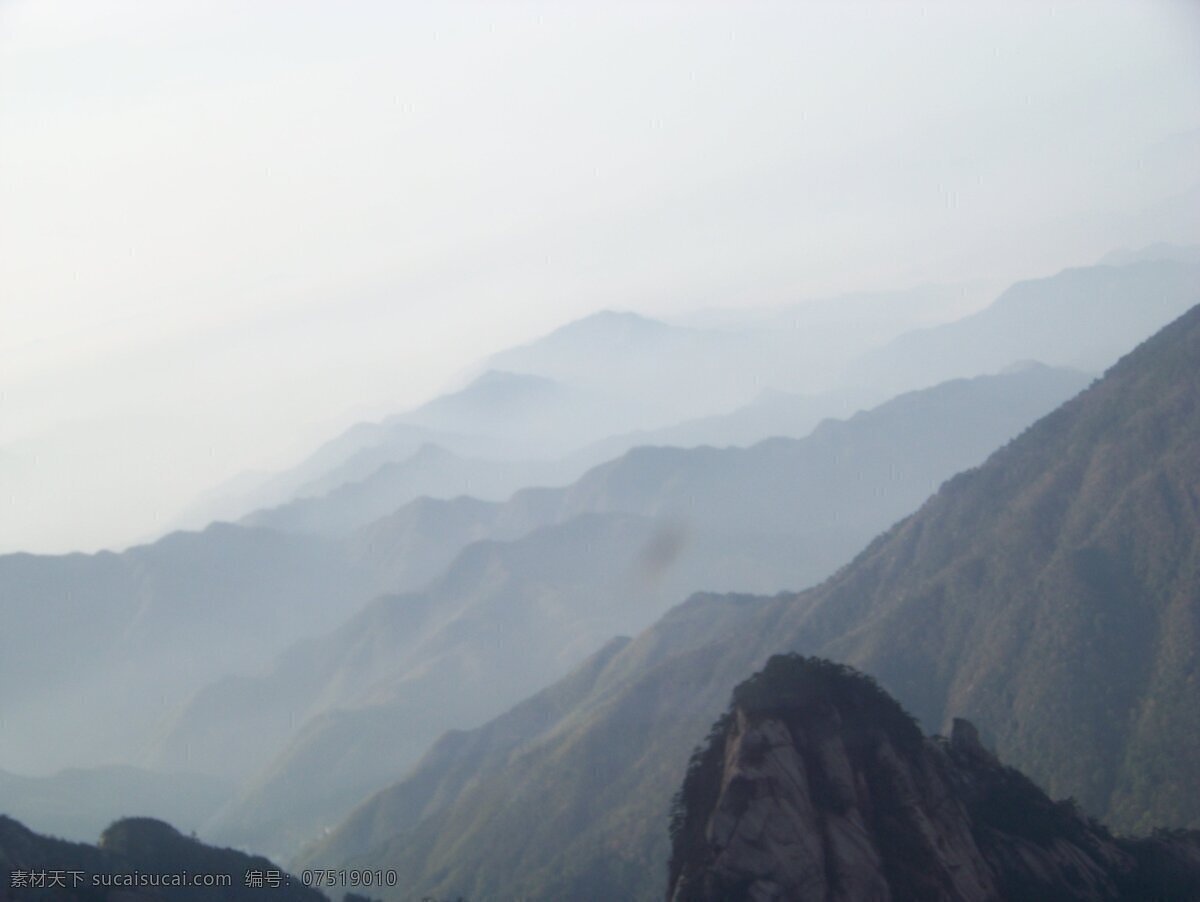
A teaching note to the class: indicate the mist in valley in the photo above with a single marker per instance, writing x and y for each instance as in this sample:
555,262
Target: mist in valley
416,422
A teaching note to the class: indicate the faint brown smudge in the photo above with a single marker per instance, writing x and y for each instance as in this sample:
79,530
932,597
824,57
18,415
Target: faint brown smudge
660,552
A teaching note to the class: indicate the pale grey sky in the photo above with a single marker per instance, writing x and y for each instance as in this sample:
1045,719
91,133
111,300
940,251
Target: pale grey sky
228,229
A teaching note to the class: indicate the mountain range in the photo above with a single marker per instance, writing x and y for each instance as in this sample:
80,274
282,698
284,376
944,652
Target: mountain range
596,387
1045,595
1048,595
871,467
432,472
562,571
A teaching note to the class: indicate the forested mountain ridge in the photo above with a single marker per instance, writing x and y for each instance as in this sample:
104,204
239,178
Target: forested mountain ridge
1051,595
551,575
137,859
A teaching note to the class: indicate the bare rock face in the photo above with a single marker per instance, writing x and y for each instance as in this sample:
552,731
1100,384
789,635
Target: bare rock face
816,785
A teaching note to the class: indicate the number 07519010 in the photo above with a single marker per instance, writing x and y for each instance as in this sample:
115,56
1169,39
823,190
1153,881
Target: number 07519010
347,877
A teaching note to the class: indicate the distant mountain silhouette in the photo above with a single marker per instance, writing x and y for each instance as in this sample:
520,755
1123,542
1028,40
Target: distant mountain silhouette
350,457
513,405
773,414
817,491
656,373
613,380
497,417
1083,318
431,472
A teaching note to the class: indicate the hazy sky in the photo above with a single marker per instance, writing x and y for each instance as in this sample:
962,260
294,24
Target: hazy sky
228,229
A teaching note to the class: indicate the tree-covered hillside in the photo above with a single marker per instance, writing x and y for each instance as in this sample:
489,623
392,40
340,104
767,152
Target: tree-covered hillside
1051,595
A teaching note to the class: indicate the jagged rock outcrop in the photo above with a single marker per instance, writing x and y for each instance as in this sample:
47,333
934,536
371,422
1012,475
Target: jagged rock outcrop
817,785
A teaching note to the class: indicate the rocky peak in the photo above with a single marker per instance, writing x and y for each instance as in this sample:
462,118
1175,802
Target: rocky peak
816,785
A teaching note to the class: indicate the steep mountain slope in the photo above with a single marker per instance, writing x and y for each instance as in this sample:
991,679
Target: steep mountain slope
1052,596
817,786
416,543
1062,580
505,619
344,715
759,490
1082,318
566,795
130,851
102,645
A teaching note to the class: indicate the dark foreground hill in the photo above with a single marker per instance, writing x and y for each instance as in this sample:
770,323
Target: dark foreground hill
77,804
1052,596
136,860
817,786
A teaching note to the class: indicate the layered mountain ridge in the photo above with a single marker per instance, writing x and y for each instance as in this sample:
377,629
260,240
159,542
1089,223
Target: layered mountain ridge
597,386
1103,308
777,515
1049,595
558,572
122,638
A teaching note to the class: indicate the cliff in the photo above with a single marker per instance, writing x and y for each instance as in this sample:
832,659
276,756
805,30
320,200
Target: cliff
816,785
